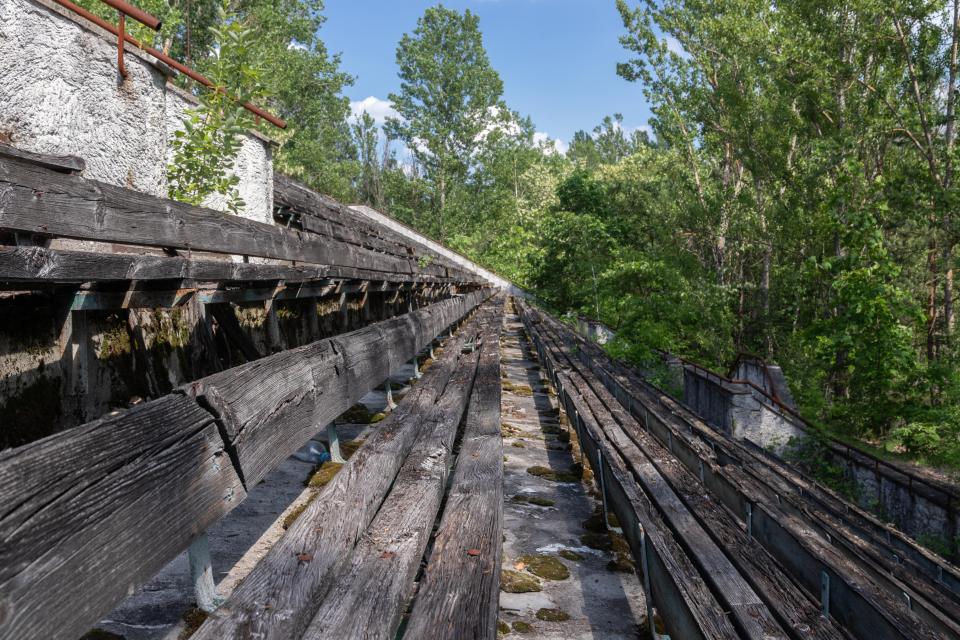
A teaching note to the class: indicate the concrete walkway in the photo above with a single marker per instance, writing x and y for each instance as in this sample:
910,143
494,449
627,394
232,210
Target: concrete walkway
545,516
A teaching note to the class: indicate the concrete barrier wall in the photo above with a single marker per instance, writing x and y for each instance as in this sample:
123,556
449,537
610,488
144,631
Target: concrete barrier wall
923,511
63,94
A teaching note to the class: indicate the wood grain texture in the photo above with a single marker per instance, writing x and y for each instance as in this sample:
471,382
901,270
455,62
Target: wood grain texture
459,592
270,407
40,265
41,201
370,594
324,215
63,164
283,591
89,514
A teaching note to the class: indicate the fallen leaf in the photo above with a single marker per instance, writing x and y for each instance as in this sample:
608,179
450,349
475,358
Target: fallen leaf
388,555
520,566
304,557
473,552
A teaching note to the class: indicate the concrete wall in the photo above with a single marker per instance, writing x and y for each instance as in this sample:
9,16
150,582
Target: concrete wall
61,93
456,258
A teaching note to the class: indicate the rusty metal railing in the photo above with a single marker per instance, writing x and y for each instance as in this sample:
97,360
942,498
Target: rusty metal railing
119,30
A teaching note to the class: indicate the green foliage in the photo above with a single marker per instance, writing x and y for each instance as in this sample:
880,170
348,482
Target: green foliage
812,455
205,149
449,96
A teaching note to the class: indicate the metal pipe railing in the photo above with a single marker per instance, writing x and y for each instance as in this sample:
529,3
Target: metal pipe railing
159,55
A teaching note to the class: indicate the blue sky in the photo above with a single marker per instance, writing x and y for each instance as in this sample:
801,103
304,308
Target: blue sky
557,58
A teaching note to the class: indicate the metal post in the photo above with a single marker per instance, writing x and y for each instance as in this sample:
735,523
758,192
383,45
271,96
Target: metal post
603,487
333,444
201,574
647,595
391,405
825,593
416,369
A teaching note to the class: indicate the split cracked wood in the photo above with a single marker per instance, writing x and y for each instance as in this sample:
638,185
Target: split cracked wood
89,514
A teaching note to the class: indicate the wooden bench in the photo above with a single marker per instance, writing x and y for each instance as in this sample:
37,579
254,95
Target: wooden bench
346,567
89,514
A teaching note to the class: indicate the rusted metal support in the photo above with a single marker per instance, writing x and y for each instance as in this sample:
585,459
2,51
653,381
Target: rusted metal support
137,14
167,60
121,36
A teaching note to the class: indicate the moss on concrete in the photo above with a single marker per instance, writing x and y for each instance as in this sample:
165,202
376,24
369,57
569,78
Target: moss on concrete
502,628
552,615
518,444
380,416
541,502
322,476
517,582
595,523
573,556
596,540
522,627
193,618
621,563
546,567
555,476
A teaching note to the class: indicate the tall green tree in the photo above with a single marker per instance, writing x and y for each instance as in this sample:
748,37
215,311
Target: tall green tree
449,96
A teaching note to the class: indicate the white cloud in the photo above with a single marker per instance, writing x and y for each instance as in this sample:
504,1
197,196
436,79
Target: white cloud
556,145
674,45
294,44
379,109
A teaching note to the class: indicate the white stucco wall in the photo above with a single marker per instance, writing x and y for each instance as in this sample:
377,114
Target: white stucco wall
61,93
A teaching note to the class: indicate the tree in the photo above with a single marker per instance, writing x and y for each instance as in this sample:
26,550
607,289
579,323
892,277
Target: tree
449,95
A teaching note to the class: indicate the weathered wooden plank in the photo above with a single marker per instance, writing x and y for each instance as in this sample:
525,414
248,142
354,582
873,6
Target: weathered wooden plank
63,164
750,613
41,201
324,215
458,596
370,595
270,407
282,592
89,514
792,608
40,265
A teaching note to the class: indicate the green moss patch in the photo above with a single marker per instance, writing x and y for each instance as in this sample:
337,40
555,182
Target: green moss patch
552,615
324,474
508,430
596,540
193,618
541,502
518,444
522,390
502,628
573,556
378,417
621,563
522,627
546,567
556,476
517,582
